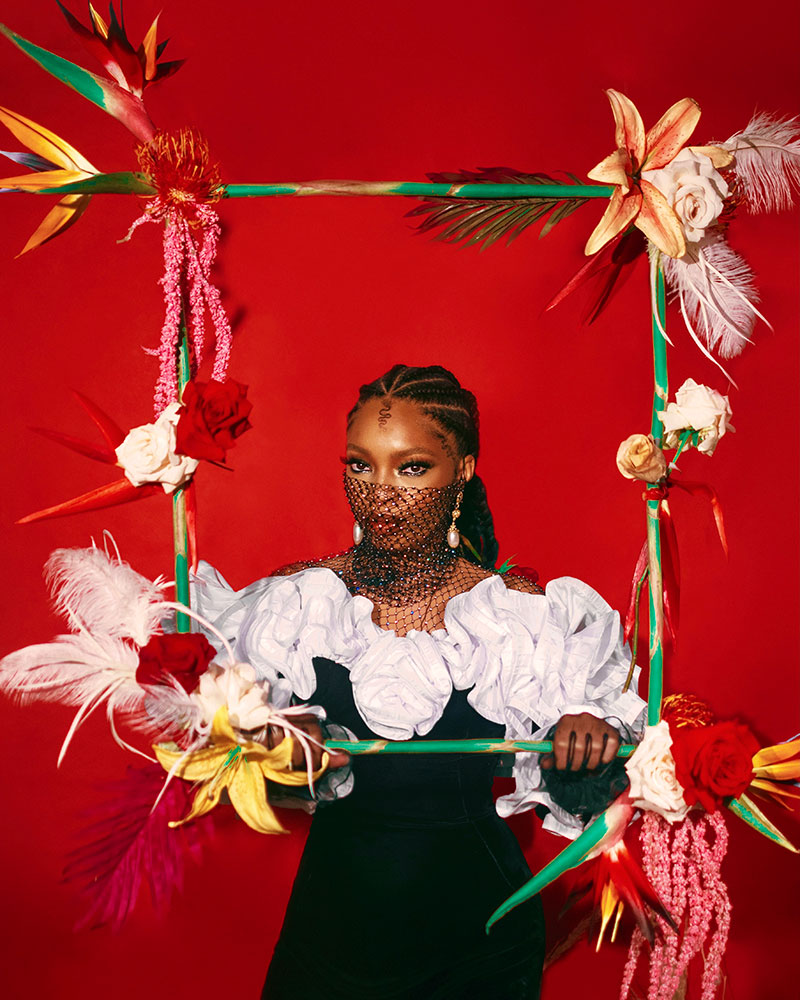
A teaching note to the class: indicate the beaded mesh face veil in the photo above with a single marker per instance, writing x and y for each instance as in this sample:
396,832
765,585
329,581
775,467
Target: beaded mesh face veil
403,563
404,556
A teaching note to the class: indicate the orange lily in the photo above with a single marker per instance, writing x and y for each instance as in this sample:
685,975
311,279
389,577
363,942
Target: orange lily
636,201
58,163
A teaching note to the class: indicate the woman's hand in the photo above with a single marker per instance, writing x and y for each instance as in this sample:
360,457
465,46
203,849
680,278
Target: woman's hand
308,724
581,743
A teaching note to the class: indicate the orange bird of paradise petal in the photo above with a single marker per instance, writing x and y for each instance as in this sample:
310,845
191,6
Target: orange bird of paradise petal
636,201
133,69
60,164
618,879
112,494
776,772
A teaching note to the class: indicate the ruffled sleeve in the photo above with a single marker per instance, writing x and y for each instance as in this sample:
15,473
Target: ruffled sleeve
535,657
279,624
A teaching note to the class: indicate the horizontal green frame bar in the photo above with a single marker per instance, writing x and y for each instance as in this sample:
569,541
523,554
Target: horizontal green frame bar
419,190
453,746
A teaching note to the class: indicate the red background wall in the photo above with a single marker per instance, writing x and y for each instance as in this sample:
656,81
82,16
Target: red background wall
327,294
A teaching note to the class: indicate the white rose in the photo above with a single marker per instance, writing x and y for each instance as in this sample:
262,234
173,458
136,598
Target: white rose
234,686
700,409
694,189
147,455
651,770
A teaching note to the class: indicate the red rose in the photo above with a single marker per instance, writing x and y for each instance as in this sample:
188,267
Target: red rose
212,416
713,762
183,656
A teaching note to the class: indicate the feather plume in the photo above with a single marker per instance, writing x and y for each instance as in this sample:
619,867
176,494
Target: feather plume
101,593
767,161
129,842
717,295
72,669
91,670
485,221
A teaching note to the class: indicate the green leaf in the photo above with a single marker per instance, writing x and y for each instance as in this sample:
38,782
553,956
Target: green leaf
106,94
124,182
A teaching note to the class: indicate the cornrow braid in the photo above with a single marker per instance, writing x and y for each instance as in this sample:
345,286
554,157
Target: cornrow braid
455,410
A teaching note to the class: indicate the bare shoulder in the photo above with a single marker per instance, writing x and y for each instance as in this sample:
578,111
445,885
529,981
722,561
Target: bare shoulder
290,568
470,573
522,583
333,562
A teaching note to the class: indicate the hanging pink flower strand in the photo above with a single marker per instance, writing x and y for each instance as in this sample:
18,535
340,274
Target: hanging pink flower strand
188,183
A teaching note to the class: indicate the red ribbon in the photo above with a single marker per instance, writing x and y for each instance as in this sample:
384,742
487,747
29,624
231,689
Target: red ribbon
670,557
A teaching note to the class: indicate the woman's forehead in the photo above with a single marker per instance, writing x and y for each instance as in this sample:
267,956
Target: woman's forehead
394,424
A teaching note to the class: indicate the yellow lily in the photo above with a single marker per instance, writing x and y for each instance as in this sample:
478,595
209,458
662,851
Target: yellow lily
635,200
238,767
67,164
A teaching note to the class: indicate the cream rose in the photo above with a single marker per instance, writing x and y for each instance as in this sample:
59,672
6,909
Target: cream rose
694,189
700,409
235,686
651,770
147,455
639,457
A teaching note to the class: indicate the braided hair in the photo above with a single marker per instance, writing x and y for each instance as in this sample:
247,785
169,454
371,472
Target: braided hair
455,410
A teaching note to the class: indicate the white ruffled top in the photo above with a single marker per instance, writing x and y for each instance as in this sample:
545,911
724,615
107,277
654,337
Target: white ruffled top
526,659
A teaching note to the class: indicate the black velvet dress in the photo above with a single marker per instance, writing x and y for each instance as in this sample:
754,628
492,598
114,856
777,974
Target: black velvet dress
417,859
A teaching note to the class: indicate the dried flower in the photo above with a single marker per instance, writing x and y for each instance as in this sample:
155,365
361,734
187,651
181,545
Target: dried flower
639,457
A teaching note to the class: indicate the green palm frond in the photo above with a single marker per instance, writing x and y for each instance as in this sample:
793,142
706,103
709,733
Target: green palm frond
471,221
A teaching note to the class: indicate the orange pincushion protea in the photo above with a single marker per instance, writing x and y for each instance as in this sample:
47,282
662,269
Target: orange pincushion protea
179,165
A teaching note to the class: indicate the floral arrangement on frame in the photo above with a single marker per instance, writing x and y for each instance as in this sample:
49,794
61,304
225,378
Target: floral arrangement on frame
205,715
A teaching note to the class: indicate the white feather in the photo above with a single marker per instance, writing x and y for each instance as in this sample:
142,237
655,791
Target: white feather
88,670
73,669
717,294
767,161
103,594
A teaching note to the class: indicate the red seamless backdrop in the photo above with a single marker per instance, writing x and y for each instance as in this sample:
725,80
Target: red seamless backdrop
326,294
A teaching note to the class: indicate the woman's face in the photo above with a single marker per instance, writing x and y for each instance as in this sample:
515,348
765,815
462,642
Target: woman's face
399,465
394,443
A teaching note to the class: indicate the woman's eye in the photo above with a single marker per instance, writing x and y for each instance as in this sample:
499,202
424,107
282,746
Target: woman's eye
356,466
414,469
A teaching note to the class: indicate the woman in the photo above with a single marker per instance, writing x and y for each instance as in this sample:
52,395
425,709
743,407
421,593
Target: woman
404,637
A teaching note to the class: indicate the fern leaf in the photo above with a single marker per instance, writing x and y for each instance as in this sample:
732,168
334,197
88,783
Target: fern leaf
473,221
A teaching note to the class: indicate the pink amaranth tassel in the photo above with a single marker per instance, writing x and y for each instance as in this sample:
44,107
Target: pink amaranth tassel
188,183
687,876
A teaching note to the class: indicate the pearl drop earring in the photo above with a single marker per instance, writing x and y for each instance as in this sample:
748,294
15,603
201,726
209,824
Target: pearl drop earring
358,533
453,535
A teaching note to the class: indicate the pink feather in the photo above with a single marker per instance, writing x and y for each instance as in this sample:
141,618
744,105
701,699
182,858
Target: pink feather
127,843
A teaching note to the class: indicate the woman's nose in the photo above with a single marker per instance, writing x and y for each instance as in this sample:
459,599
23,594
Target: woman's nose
382,477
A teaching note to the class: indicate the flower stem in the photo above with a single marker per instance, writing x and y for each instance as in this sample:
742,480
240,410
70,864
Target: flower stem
681,445
179,535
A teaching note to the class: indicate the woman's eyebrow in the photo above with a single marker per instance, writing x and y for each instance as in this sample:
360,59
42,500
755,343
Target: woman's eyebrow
414,451
397,454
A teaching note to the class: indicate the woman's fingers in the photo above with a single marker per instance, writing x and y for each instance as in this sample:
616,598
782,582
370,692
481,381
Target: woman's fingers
582,743
308,724
611,742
